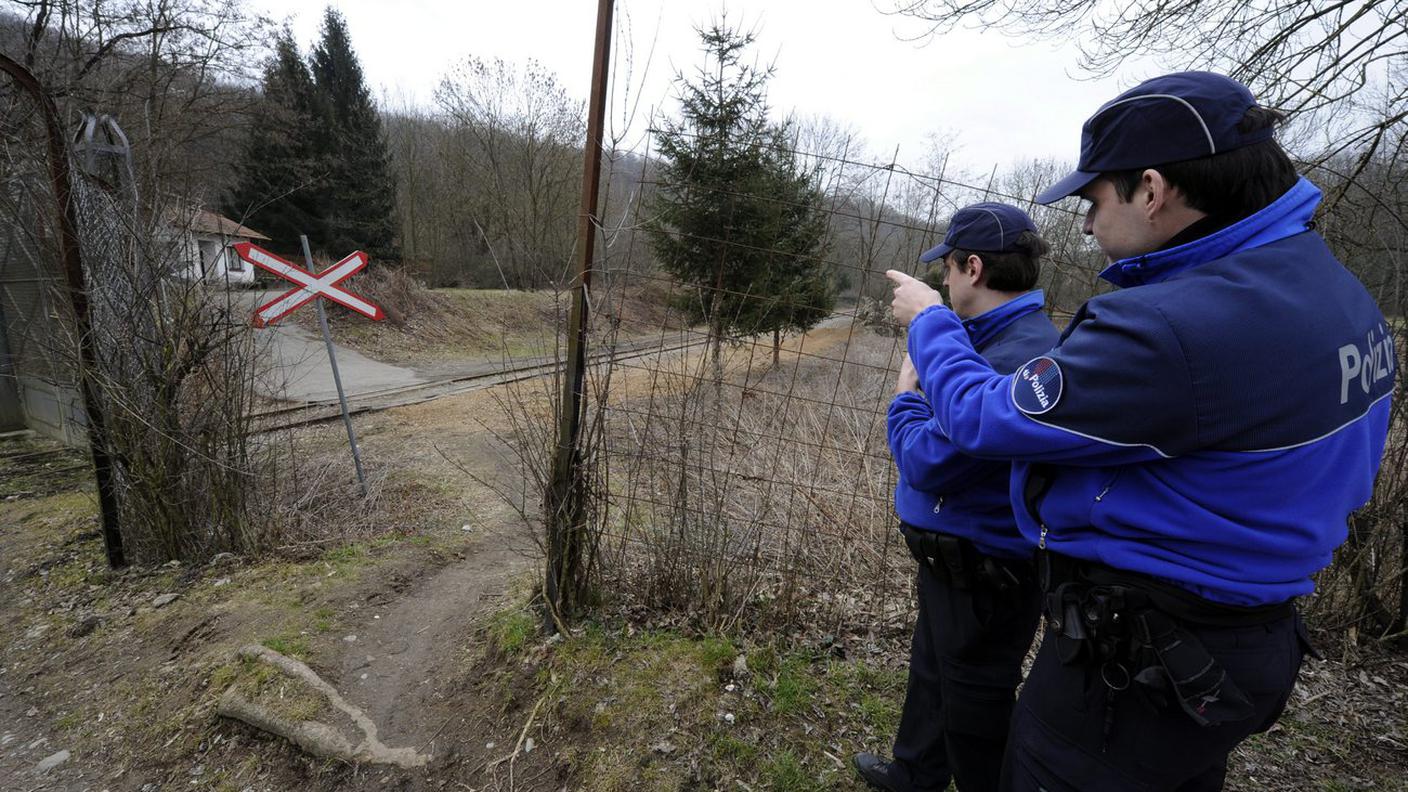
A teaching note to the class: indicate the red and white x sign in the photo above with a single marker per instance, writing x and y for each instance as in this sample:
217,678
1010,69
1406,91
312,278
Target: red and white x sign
310,286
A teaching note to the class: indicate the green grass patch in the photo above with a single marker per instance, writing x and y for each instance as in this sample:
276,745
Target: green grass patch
289,645
881,712
795,686
76,572
511,631
716,653
347,557
785,773
70,721
266,686
659,709
324,619
729,749
36,467
223,676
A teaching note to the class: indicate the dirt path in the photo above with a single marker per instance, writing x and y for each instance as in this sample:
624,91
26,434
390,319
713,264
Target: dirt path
415,632
26,742
411,642
132,698
411,635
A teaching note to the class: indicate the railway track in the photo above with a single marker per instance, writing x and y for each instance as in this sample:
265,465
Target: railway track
309,413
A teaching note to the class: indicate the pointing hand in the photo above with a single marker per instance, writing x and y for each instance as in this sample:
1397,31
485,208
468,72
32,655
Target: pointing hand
911,296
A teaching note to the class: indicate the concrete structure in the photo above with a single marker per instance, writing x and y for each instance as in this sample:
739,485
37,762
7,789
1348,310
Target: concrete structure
38,385
37,388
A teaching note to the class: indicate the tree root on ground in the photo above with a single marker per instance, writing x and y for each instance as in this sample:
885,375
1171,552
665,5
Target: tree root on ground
315,737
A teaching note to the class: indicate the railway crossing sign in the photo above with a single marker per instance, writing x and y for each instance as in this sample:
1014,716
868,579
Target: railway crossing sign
310,286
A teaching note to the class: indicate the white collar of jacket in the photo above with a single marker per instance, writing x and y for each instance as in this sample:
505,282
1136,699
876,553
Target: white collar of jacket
1286,216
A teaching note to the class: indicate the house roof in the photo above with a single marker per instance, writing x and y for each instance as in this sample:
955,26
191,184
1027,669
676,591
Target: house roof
204,221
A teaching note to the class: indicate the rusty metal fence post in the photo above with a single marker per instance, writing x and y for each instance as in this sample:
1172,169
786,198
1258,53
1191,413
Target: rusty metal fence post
565,516
71,258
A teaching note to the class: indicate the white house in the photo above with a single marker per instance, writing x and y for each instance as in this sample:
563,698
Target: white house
205,239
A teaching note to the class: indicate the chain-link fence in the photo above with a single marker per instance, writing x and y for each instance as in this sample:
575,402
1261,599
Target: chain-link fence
136,357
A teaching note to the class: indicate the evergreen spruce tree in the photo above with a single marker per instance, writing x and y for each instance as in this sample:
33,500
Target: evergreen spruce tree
359,200
793,287
736,218
280,180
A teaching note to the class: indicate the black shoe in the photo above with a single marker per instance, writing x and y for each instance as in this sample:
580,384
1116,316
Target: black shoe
875,772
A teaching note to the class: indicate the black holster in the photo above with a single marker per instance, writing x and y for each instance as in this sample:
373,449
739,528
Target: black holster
1141,627
958,563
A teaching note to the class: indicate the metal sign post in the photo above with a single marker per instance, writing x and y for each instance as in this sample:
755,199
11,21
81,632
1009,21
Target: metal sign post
336,375
314,286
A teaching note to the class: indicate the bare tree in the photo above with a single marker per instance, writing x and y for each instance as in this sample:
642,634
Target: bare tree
1070,272
174,72
517,158
175,363
1336,67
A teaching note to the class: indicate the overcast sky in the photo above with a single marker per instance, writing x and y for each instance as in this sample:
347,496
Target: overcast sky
1003,100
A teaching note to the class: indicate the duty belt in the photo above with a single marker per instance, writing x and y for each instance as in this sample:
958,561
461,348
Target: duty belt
1136,629
956,561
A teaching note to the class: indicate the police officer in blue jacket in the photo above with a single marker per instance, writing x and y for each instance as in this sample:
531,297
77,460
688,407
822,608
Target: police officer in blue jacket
978,600
1188,456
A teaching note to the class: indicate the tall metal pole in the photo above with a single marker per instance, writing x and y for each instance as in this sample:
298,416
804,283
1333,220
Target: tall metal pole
565,520
70,254
336,375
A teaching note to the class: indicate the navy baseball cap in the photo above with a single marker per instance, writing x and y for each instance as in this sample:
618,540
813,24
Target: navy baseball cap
1176,117
982,227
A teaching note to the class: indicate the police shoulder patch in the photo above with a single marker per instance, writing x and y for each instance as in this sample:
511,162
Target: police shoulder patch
1036,387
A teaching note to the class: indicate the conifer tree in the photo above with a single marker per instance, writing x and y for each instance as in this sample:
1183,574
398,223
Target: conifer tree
280,180
359,199
737,219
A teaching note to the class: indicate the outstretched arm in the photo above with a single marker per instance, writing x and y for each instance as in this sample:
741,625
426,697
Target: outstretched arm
1107,395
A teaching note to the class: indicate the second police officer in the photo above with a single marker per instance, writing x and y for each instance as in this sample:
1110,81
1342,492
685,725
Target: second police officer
978,600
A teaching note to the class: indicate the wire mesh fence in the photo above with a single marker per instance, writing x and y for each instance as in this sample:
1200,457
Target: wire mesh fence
740,474
737,464
168,361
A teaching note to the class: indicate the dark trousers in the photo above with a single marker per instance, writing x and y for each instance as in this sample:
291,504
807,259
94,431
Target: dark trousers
1068,734
964,665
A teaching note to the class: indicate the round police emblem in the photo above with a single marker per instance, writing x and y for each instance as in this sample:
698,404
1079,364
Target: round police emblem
1036,387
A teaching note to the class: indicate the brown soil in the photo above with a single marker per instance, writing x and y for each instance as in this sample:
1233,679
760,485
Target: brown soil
88,664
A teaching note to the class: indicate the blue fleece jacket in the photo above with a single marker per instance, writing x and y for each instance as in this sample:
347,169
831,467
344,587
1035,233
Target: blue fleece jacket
939,487
1212,424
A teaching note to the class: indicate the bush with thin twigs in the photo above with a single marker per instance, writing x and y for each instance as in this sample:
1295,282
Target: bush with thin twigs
760,503
180,375
398,293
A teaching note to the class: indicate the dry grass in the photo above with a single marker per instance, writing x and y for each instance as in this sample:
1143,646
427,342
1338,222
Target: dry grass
428,326
762,502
